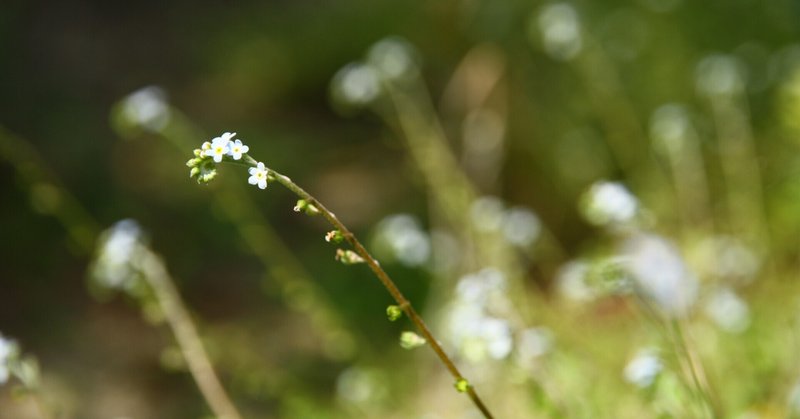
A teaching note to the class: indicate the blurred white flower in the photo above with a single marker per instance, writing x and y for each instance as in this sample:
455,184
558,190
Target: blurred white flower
643,369
393,58
571,281
719,75
560,31
8,348
521,226
609,203
479,287
670,128
470,327
403,237
728,258
478,335
533,343
660,273
258,175
488,213
356,84
728,310
118,255
147,108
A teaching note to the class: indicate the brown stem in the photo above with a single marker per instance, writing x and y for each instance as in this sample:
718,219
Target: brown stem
188,339
387,282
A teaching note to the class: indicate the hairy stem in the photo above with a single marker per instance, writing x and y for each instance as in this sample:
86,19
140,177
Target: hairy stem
387,282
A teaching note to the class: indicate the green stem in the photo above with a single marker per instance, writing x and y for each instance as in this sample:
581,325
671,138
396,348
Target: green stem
696,372
387,282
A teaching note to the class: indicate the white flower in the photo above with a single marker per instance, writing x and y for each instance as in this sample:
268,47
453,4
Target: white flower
357,84
258,175
118,254
220,146
8,348
237,149
609,203
402,238
148,108
728,310
660,273
561,31
643,368
521,226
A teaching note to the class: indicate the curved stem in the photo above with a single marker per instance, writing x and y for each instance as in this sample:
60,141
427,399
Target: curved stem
387,282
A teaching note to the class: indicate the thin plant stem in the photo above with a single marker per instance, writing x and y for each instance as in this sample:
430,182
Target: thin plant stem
187,337
387,282
696,371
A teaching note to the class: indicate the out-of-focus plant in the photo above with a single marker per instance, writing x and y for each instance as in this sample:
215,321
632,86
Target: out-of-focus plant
124,262
23,370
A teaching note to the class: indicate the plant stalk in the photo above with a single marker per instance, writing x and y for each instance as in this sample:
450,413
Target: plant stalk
387,282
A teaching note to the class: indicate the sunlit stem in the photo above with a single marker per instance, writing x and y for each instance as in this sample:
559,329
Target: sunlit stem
387,282
187,337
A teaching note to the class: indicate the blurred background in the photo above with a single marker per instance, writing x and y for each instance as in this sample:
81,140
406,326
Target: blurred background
595,206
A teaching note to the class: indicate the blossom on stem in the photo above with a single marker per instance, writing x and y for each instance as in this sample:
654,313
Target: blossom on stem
258,176
236,149
220,146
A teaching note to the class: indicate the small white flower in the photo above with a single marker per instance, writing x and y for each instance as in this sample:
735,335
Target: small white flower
258,175
147,108
728,310
660,273
237,149
643,369
118,255
220,146
609,203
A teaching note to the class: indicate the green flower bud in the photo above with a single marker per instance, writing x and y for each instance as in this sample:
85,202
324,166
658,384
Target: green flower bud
394,312
348,257
411,340
462,385
334,236
307,207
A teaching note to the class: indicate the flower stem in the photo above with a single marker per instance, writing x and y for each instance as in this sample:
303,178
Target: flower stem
387,282
187,337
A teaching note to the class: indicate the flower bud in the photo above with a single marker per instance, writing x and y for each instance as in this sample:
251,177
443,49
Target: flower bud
411,340
334,236
307,207
394,312
348,257
462,385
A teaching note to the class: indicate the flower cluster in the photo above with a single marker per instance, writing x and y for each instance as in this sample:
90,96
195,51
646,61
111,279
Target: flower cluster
225,147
